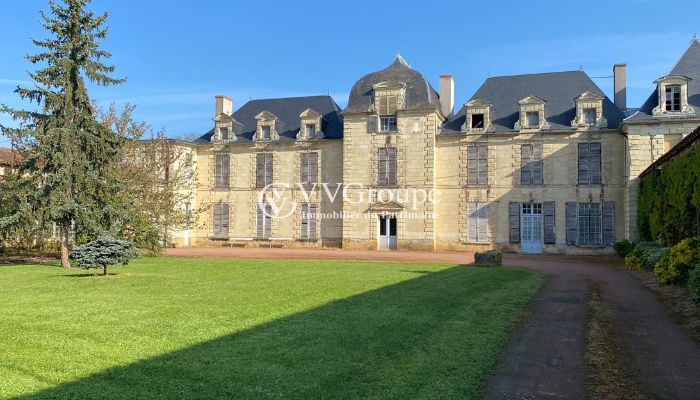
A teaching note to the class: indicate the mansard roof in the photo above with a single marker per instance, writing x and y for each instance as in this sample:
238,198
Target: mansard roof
688,65
558,89
419,94
287,111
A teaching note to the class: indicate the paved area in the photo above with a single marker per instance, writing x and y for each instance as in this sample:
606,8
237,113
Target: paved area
545,358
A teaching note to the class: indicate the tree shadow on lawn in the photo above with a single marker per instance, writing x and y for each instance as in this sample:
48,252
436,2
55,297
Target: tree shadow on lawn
436,335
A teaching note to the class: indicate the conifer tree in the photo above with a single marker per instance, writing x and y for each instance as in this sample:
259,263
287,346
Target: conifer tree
67,153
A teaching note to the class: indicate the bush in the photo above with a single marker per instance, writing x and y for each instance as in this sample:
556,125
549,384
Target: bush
645,256
680,261
694,284
623,248
103,252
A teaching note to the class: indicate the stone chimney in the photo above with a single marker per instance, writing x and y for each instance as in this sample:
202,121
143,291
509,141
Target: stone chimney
447,94
224,105
620,77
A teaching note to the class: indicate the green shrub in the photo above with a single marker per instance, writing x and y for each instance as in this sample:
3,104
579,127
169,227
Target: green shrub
694,284
623,248
645,256
634,263
103,252
680,261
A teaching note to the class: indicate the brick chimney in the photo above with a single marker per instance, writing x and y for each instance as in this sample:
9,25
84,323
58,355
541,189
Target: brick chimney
447,94
224,105
620,77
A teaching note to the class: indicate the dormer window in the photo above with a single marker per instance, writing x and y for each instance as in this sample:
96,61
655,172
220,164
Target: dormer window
478,116
532,114
589,111
268,126
310,125
310,130
266,133
388,99
673,96
224,134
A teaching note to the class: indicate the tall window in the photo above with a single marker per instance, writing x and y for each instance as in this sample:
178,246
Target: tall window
589,163
477,165
266,132
477,222
387,166
387,113
590,222
220,222
531,164
264,221
532,118
309,168
263,170
222,172
673,98
589,116
310,131
309,212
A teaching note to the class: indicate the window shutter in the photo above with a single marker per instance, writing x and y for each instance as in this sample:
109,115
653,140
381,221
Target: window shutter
391,105
224,220
372,123
571,223
313,168
472,165
268,169
313,208
537,173
217,220
304,224
483,213
391,168
525,164
268,221
514,217
304,167
483,165
608,223
472,222
594,161
260,171
583,177
550,236
382,167
218,168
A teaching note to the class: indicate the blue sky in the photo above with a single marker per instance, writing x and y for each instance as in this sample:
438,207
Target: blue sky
178,54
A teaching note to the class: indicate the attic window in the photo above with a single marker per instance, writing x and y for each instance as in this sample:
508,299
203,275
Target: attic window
310,130
589,116
388,105
532,118
224,133
673,98
477,121
266,132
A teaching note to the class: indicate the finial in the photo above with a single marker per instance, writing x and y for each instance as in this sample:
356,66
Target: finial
580,67
694,36
489,72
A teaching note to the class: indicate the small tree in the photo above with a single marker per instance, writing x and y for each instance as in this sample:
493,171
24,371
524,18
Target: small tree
103,252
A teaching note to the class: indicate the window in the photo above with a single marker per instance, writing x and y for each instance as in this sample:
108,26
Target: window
222,173
531,164
673,98
224,133
532,118
477,121
308,221
589,116
310,131
387,124
266,132
477,165
589,161
221,217
264,221
309,168
263,170
477,222
387,167
388,105
590,222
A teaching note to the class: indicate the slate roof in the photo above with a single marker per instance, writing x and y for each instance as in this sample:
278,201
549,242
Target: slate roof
558,89
688,65
287,110
419,94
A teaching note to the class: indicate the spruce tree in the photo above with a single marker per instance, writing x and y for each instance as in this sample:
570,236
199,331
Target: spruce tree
67,152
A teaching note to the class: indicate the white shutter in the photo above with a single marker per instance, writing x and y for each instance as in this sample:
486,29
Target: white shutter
483,218
472,222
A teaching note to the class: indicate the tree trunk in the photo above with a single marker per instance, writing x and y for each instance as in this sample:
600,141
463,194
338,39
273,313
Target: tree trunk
104,270
65,262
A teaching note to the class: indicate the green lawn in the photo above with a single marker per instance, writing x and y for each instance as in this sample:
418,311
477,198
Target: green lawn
256,329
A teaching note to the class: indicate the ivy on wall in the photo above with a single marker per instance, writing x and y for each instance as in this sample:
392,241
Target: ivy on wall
669,200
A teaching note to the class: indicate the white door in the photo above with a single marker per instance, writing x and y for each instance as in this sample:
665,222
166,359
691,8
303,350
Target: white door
531,228
387,232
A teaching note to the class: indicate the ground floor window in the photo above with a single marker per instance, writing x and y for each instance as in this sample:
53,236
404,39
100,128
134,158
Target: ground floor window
221,218
477,222
308,221
264,221
590,222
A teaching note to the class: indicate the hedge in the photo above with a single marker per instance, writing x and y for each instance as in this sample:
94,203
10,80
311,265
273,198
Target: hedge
669,200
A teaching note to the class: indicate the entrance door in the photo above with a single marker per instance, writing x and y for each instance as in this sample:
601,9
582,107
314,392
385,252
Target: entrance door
531,228
387,232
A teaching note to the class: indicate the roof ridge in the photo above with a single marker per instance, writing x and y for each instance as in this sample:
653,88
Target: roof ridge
678,60
291,97
537,73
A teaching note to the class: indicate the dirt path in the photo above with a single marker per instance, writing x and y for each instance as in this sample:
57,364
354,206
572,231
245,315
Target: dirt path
545,358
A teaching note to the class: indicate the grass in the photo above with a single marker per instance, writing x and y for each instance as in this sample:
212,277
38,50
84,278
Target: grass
256,329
